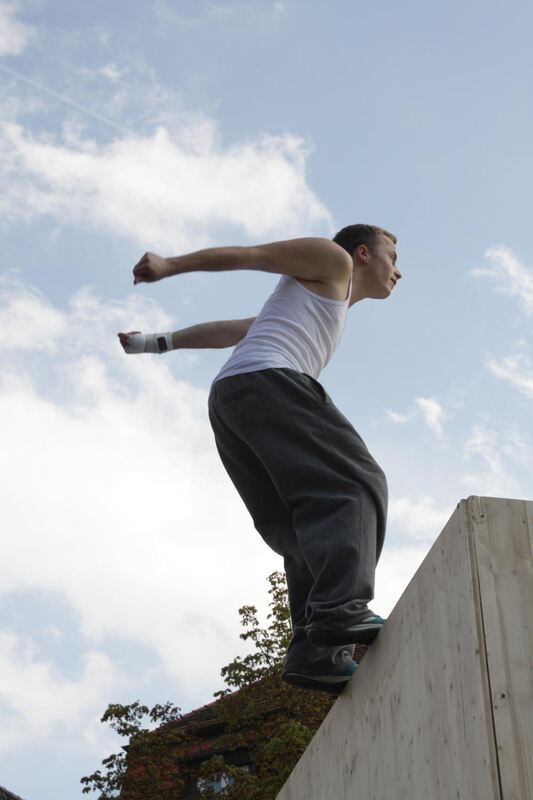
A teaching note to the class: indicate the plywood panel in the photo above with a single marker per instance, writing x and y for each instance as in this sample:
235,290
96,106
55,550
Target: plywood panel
502,532
415,721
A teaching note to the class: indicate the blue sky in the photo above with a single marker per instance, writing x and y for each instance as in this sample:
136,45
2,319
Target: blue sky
170,126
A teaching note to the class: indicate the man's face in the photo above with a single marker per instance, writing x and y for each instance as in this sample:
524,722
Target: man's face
379,268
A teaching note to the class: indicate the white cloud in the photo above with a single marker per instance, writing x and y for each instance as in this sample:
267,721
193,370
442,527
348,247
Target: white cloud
395,569
399,419
127,94
167,180
417,519
518,447
517,371
115,498
510,276
431,411
170,191
27,319
14,35
433,414
36,698
490,445
481,442
111,71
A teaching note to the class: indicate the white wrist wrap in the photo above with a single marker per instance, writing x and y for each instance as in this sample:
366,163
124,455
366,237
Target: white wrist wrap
149,343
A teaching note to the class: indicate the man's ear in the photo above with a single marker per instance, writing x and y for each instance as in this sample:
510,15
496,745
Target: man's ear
362,252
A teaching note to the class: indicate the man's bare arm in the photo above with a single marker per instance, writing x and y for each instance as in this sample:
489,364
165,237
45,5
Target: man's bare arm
309,258
223,333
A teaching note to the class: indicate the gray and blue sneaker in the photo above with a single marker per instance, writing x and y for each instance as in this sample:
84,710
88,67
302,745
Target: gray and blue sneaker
363,632
329,674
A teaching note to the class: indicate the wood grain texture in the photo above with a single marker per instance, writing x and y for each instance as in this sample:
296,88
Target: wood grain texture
502,532
432,711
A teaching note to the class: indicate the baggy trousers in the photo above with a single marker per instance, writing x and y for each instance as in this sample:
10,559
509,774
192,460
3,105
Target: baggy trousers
314,492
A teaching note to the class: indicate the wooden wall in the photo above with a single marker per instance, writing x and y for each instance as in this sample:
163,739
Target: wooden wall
441,706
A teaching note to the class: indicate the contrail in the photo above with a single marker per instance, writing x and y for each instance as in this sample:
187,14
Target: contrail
57,96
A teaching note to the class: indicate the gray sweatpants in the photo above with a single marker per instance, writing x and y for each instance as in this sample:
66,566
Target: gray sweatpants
315,494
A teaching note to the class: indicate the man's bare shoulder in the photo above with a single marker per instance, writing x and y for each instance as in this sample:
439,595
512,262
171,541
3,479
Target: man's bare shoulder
311,259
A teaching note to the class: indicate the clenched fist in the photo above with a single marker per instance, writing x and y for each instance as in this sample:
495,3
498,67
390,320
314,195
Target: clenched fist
150,268
124,340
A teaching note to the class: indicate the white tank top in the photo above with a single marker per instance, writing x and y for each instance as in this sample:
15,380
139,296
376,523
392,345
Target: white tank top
296,328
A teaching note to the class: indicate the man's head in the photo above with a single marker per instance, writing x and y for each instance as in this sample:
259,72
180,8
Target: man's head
373,251
353,236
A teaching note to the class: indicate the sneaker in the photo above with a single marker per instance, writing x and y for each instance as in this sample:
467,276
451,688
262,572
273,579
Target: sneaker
331,678
363,632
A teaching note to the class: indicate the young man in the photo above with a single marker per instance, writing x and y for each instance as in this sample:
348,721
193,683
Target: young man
315,494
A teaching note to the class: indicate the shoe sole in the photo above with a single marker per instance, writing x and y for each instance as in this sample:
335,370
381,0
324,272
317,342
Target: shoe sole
333,685
364,634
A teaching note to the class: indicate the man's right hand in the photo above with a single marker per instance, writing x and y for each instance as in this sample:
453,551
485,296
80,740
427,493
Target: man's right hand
124,339
150,268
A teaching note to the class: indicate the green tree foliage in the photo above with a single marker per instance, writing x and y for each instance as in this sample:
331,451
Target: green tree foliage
266,718
155,766
270,643
272,720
